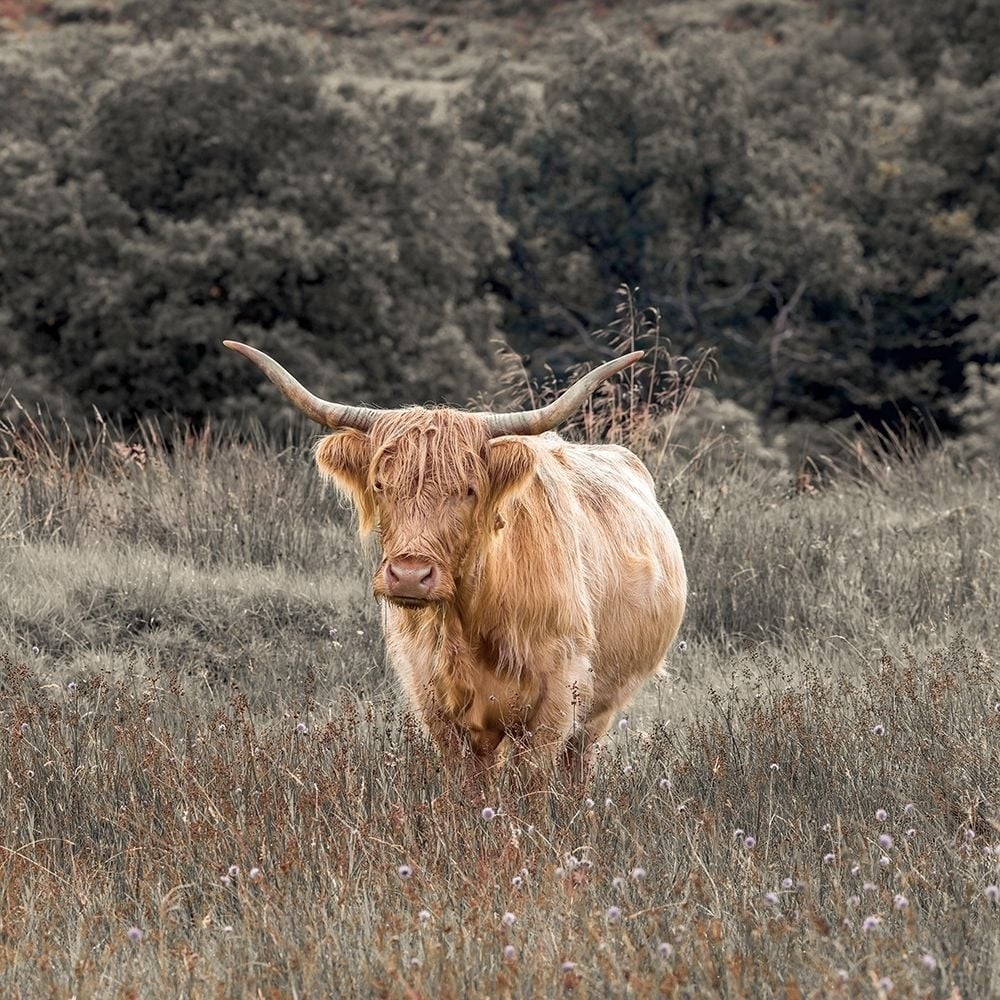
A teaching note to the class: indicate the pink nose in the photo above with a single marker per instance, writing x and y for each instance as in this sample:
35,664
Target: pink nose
409,579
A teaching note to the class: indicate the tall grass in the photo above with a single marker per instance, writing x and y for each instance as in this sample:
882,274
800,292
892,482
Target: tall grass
215,553
911,557
816,836
214,496
209,787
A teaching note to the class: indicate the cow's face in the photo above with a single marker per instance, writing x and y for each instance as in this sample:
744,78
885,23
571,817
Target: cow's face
431,482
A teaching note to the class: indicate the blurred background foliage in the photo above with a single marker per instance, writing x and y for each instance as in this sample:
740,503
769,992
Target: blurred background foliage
383,193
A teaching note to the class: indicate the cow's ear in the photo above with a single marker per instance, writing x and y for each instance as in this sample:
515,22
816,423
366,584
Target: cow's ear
510,464
345,457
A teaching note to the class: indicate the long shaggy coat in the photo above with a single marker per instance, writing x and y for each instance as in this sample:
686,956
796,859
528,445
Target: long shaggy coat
559,581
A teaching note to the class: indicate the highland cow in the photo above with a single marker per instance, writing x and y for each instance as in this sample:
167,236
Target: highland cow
530,584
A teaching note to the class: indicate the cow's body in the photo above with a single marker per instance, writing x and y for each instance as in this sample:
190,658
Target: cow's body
560,618
531,585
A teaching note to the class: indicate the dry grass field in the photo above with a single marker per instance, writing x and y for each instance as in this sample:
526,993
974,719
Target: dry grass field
210,788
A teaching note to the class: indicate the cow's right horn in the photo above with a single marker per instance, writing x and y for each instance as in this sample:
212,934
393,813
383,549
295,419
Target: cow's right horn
323,412
549,417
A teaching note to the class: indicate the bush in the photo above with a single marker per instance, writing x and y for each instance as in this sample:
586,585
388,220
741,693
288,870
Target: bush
216,189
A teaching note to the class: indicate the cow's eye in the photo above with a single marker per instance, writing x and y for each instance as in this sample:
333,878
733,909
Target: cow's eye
377,486
470,491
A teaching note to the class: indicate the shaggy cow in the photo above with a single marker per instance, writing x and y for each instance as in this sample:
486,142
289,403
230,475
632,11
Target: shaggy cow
531,584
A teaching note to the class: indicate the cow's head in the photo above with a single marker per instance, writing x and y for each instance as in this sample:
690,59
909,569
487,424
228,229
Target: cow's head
431,481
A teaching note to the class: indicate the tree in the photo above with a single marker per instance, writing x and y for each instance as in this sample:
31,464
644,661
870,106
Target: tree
978,409
962,36
216,190
778,197
650,169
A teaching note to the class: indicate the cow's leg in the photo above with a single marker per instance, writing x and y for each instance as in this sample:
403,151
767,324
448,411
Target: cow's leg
445,735
468,758
582,749
482,751
559,718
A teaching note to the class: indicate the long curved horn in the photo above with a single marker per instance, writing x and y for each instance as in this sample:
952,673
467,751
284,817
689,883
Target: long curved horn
549,417
328,414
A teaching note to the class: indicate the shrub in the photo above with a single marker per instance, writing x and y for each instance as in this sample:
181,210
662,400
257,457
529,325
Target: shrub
215,188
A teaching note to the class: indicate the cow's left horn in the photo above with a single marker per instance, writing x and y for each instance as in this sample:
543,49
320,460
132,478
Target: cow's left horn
551,416
328,414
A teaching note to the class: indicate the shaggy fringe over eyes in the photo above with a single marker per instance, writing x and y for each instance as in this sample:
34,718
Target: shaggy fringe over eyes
421,456
431,453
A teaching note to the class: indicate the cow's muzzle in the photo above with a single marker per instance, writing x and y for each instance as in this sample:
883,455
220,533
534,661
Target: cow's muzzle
410,582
